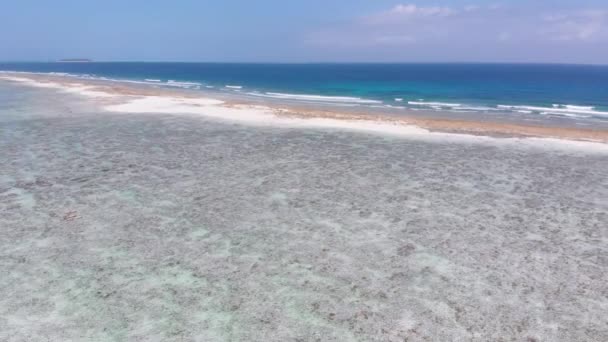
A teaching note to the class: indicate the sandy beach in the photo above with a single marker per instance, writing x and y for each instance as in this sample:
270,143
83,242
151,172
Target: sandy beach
145,98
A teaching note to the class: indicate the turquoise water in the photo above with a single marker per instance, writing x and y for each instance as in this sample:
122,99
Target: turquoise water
576,91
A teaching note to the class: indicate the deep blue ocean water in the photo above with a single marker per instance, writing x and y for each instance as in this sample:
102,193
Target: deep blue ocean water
563,90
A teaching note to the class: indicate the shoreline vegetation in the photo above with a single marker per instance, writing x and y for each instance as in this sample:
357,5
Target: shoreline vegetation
116,96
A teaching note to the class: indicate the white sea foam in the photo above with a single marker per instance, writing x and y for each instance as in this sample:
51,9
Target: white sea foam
399,99
234,87
179,84
154,82
477,108
80,89
573,107
434,104
395,107
316,98
564,110
567,115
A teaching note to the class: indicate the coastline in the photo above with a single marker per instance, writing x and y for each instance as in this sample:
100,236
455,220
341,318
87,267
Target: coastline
132,212
144,98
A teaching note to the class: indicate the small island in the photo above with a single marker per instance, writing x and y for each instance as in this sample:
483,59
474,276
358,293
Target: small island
75,60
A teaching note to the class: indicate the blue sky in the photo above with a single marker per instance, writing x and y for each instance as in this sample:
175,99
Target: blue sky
306,31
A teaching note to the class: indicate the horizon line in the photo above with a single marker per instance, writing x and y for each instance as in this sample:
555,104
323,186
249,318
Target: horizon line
60,61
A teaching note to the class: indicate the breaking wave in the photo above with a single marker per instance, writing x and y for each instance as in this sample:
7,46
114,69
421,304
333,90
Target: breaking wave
316,98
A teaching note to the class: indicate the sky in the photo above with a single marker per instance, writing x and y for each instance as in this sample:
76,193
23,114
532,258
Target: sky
554,31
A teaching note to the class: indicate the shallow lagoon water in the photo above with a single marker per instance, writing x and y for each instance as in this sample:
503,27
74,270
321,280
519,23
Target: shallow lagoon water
174,228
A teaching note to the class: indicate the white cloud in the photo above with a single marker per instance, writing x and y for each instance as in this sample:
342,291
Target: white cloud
408,12
411,9
395,40
468,32
582,25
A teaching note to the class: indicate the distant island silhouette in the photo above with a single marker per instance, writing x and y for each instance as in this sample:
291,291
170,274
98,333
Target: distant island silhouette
80,60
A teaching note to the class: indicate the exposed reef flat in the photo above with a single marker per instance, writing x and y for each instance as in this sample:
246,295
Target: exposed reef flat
118,225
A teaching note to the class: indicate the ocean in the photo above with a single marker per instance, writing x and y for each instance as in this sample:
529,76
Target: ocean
534,90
